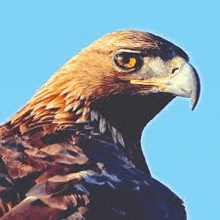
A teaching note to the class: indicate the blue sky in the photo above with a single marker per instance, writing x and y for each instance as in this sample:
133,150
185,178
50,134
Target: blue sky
182,147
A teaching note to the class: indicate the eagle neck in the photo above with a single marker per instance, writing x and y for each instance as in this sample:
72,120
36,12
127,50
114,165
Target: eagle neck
124,118
130,146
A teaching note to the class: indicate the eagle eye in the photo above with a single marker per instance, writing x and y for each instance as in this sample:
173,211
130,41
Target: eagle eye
128,61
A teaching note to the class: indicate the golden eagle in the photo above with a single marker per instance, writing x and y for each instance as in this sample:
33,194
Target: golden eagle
73,151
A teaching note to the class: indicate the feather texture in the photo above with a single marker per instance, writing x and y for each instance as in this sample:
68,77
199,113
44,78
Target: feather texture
73,151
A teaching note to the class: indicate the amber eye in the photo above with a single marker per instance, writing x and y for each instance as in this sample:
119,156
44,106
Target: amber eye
128,61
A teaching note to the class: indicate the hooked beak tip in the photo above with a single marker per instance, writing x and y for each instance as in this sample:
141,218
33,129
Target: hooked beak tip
196,91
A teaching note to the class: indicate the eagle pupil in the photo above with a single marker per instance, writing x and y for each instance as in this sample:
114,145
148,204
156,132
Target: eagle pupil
126,58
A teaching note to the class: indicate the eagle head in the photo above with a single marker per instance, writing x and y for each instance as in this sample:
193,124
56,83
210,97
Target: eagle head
126,77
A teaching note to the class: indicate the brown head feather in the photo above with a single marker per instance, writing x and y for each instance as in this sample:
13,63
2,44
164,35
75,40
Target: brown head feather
84,78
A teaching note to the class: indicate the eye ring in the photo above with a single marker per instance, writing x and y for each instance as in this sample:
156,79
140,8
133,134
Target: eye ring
128,62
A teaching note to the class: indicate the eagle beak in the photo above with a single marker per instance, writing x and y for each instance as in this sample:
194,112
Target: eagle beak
184,82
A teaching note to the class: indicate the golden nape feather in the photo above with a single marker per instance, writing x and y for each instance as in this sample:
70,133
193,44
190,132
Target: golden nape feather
73,151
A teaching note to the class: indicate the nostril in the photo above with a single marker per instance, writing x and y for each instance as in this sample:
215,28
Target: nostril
175,69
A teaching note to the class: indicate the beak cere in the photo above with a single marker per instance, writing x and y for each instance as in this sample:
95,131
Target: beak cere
184,82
